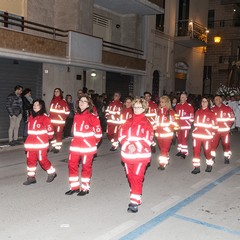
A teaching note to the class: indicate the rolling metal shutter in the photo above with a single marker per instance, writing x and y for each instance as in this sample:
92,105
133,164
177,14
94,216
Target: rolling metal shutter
12,73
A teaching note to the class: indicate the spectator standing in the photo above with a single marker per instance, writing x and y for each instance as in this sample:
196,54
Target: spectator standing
27,108
14,108
58,113
135,137
40,130
69,119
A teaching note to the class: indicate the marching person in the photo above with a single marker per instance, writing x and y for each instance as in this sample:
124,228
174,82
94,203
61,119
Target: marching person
151,114
135,137
185,112
204,129
127,110
113,112
164,129
87,133
40,130
59,111
224,118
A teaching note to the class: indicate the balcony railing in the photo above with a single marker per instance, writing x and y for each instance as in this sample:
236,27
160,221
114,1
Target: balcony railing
18,23
224,23
229,60
192,29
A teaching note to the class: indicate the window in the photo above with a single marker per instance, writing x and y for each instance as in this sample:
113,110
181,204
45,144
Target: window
211,14
160,20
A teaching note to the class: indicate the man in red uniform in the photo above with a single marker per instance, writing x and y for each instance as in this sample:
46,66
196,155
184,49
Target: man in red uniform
185,112
151,114
225,118
113,113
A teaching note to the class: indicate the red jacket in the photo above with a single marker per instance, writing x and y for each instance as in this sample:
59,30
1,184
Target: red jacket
59,111
224,117
136,132
113,112
204,124
126,114
87,133
40,131
165,123
186,115
151,114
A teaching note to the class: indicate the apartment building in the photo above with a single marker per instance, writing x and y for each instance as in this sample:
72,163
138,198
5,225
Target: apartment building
127,45
222,57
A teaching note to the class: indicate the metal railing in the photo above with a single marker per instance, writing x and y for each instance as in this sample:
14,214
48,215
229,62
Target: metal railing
224,23
191,29
18,23
229,59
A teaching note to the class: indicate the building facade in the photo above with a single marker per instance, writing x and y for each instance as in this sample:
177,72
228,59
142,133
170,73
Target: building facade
130,46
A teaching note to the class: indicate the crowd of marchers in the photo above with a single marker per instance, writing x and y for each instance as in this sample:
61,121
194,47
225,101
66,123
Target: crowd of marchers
136,126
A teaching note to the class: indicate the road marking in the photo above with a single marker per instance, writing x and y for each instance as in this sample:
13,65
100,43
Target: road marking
139,231
164,204
206,224
117,230
201,183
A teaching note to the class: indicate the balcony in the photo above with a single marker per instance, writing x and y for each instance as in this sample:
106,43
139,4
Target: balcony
22,39
190,34
140,7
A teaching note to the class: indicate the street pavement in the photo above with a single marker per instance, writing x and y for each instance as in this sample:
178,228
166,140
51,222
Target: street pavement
177,205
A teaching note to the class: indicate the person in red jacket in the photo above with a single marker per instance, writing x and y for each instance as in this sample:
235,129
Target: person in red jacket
225,118
204,128
59,111
113,112
185,111
135,137
164,130
127,110
87,133
40,130
151,114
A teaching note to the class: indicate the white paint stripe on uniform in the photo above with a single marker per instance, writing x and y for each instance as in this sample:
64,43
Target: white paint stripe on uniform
117,230
201,183
225,169
167,203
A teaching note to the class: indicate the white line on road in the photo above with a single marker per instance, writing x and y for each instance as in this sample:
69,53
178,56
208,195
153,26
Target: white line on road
201,183
168,202
117,230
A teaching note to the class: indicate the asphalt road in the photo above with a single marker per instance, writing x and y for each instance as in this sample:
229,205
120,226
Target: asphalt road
176,204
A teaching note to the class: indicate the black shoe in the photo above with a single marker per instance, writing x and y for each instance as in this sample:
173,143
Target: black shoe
51,177
113,149
12,143
30,180
71,192
83,193
17,142
208,169
179,154
52,150
226,160
162,167
132,208
153,149
196,170
55,151
183,156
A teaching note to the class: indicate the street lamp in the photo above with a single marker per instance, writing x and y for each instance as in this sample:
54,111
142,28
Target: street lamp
217,39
